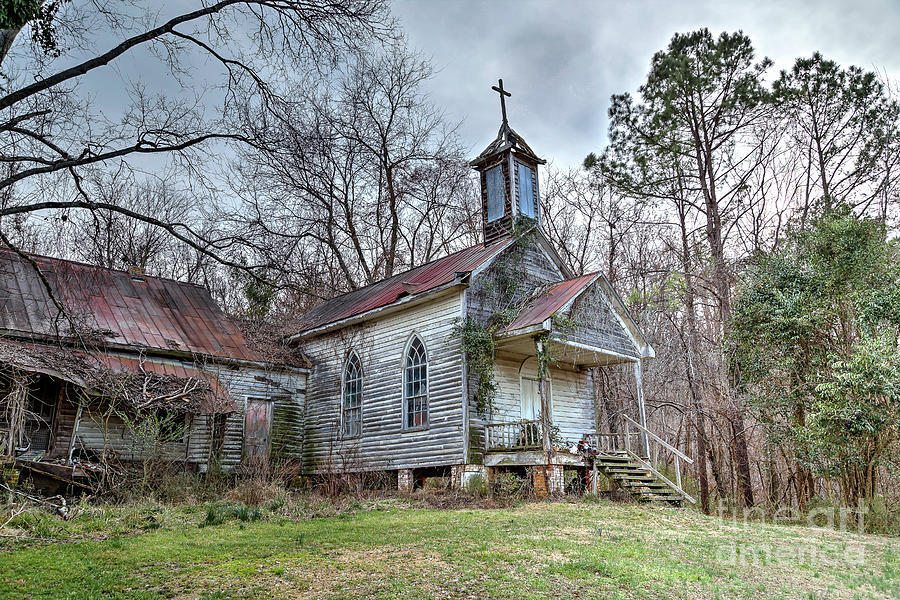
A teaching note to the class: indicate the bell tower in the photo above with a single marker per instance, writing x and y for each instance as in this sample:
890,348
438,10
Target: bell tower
508,170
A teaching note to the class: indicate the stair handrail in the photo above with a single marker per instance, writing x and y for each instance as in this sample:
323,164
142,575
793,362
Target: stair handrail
647,462
675,486
662,442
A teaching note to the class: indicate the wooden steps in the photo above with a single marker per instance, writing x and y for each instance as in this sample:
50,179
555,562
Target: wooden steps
636,479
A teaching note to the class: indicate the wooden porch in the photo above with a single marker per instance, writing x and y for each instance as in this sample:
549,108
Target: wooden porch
634,458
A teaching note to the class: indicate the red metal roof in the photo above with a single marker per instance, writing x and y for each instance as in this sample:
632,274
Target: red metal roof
146,312
409,283
552,299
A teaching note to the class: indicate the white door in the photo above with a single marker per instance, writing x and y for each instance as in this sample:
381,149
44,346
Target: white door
531,399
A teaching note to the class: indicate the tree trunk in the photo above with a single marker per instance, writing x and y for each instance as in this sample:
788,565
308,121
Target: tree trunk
722,285
7,37
690,351
391,257
742,458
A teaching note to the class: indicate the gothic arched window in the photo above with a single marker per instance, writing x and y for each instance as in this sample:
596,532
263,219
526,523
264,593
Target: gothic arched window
415,385
351,403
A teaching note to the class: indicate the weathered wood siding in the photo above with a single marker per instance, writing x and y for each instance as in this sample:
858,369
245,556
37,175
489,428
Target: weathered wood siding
595,324
98,430
571,396
512,276
380,344
286,387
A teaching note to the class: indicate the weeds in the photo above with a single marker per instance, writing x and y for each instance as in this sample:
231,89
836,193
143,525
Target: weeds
217,514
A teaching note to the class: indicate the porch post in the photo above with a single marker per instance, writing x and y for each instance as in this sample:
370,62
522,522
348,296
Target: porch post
545,394
642,411
75,429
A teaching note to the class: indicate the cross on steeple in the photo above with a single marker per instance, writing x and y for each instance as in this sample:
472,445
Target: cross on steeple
503,95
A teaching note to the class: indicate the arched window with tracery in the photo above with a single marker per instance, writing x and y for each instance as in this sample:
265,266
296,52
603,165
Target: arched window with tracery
351,404
415,385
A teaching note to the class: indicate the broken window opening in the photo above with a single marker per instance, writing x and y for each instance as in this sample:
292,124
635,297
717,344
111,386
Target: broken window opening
496,193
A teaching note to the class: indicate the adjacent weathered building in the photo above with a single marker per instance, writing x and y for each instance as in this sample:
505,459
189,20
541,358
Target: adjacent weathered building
89,350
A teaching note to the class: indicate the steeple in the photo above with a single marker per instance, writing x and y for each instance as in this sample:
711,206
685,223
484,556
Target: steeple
509,179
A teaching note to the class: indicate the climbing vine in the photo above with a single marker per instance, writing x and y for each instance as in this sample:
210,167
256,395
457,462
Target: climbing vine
479,346
15,14
544,352
505,293
478,337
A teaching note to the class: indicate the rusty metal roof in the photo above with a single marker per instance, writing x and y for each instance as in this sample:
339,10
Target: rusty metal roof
548,301
139,311
409,283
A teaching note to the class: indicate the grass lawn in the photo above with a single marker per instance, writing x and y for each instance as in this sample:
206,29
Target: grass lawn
393,550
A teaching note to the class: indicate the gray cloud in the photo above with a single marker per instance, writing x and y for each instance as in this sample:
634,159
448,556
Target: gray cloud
563,59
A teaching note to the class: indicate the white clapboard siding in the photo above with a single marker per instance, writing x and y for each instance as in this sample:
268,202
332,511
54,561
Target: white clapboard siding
380,344
571,403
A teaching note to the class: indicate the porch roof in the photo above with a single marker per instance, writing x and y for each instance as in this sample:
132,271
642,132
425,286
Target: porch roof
596,327
549,301
142,380
565,352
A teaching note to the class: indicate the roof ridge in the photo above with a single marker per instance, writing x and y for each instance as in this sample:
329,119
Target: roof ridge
93,266
409,283
396,275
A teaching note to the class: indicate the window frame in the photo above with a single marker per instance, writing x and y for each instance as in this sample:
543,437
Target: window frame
426,397
532,185
352,357
502,193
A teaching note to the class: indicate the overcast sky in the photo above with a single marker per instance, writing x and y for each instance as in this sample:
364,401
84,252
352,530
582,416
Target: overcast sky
562,59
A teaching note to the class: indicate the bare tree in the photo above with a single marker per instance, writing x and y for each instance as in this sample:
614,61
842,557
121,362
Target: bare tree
362,172
587,220
842,125
58,137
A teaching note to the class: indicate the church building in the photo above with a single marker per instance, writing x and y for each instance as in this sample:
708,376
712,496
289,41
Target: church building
396,383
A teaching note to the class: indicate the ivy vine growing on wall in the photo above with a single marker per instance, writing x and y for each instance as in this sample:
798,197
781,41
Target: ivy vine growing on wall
478,339
479,346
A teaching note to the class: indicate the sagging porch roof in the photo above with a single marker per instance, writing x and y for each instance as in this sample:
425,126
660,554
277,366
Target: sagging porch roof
187,389
549,301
